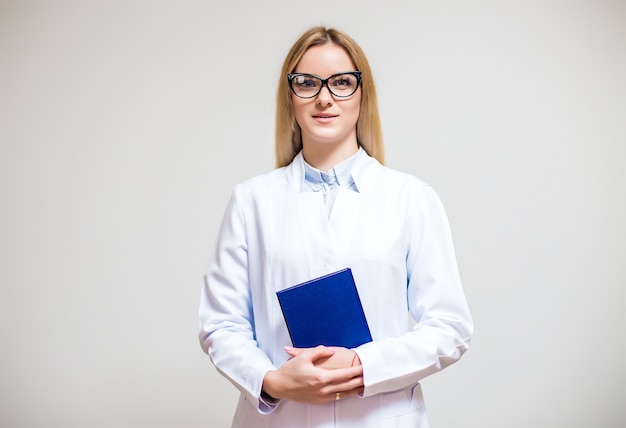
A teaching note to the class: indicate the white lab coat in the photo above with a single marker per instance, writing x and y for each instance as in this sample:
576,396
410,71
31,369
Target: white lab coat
394,235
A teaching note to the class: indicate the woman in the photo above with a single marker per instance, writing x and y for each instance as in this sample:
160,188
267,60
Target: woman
329,205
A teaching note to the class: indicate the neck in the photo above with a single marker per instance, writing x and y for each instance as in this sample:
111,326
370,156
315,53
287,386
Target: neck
326,156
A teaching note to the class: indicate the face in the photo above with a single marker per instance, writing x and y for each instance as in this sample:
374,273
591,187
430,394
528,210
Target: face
325,118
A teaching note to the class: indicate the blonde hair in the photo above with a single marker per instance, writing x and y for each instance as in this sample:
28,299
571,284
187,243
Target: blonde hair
288,136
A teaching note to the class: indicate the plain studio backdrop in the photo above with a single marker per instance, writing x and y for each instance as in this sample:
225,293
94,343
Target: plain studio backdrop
125,124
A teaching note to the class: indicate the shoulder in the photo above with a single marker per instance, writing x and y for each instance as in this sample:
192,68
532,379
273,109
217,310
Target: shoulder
399,188
259,185
277,180
392,179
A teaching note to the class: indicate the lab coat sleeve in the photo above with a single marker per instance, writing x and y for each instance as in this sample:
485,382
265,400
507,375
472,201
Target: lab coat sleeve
436,301
226,315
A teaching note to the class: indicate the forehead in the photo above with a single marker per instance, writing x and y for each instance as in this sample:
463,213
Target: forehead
325,60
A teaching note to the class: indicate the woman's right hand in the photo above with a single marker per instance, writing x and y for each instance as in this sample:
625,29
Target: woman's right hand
300,380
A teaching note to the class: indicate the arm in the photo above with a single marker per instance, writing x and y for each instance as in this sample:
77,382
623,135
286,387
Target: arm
435,299
227,331
225,313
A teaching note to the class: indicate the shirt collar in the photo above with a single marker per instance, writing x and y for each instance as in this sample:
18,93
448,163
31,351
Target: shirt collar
340,174
360,170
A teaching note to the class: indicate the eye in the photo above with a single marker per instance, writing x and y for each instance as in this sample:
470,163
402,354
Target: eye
343,81
305,82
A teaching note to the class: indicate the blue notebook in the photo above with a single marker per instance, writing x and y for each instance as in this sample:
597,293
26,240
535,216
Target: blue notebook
325,311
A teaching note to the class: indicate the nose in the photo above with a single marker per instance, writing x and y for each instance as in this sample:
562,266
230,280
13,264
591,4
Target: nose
324,97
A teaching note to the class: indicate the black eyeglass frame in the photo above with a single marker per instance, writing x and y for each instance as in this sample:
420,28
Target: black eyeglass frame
356,74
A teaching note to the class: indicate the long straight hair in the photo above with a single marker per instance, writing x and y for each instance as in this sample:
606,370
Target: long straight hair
368,129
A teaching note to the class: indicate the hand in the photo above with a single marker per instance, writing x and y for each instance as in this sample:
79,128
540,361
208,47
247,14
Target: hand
341,358
299,379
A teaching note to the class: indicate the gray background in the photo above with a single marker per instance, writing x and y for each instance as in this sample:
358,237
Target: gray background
124,125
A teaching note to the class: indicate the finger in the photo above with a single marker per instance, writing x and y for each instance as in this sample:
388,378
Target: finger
342,395
293,352
342,375
319,352
346,389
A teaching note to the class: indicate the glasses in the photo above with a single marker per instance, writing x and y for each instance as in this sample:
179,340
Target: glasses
341,85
